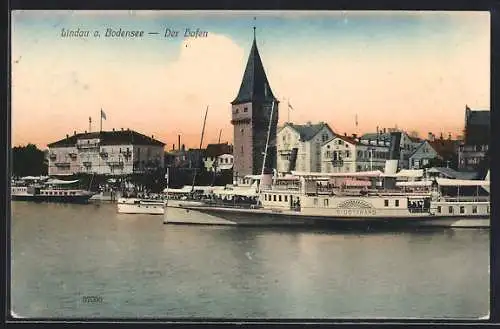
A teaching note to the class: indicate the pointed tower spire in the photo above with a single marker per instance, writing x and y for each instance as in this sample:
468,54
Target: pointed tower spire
254,19
254,86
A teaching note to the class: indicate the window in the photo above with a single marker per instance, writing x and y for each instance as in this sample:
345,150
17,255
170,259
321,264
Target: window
474,209
325,202
265,197
245,109
315,201
347,154
462,209
236,111
396,203
488,209
286,198
439,209
279,198
274,197
386,203
450,209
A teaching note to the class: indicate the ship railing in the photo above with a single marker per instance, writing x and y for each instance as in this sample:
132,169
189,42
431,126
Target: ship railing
464,199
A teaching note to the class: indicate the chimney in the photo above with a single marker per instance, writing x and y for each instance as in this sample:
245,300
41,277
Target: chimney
179,141
122,129
173,147
429,136
67,136
309,123
377,130
345,134
85,131
74,133
441,136
113,129
449,136
152,136
183,147
354,136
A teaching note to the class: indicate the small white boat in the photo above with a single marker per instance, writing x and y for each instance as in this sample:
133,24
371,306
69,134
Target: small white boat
141,206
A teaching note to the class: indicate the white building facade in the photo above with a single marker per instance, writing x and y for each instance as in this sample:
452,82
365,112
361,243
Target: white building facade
299,146
105,153
345,154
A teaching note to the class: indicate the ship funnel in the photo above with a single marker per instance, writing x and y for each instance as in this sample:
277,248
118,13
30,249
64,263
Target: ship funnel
391,165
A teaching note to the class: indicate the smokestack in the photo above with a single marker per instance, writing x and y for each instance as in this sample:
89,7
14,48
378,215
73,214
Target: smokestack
179,141
183,147
173,147
394,152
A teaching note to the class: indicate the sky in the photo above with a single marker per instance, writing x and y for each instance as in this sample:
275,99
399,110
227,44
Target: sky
412,70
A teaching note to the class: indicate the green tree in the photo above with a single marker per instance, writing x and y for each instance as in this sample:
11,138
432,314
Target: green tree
28,161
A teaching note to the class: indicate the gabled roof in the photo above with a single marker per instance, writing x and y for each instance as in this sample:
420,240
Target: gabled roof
308,131
444,147
117,137
254,86
347,139
214,150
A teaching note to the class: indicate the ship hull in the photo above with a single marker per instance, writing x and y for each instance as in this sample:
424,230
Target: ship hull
259,217
80,199
140,209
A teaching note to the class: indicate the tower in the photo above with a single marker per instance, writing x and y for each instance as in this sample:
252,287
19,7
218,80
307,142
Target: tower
251,110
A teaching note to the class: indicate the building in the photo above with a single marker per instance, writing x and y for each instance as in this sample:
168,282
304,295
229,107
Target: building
106,153
251,113
435,152
475,147
299,146
383,138
346,154
216,155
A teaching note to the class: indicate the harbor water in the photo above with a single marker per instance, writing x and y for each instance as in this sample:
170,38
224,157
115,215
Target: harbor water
76,261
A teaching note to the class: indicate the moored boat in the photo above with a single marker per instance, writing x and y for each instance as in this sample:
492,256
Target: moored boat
44,189
315,199
141,206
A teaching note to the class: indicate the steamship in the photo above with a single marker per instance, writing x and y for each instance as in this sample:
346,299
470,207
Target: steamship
44,189
370,198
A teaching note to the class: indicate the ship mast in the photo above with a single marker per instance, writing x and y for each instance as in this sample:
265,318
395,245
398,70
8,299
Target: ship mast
267,144
201,143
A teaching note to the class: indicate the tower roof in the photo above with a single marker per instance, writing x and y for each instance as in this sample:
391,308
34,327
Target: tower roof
254,86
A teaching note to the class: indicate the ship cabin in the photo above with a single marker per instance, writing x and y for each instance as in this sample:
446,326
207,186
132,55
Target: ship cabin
322,193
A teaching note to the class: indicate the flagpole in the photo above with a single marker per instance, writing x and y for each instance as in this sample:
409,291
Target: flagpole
100,115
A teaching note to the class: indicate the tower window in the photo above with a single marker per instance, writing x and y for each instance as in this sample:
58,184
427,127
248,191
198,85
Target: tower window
245,109
236,111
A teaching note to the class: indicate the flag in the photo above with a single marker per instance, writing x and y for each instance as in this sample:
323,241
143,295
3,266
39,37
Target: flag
103,115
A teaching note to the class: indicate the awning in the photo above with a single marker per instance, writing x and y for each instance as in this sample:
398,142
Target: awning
415,183
374,173
461,182
412,173
61,182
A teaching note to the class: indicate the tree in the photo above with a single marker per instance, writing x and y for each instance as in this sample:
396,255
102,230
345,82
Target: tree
28,161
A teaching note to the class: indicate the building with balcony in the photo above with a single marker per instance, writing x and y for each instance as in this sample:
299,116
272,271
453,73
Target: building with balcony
299,146
117,152
346,154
